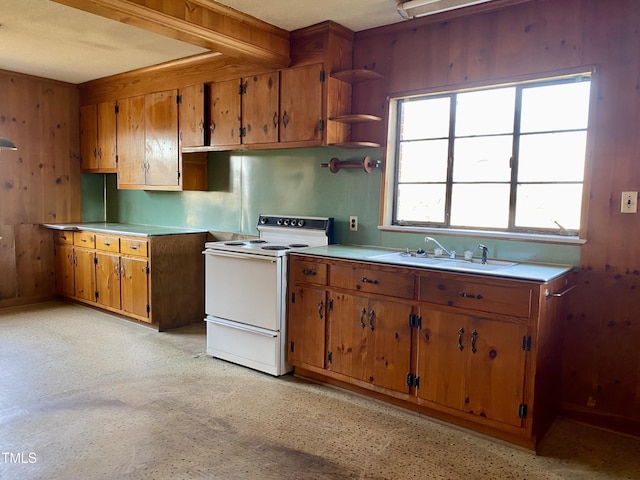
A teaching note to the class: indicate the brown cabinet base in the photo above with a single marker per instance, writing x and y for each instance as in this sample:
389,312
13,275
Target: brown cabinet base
159,279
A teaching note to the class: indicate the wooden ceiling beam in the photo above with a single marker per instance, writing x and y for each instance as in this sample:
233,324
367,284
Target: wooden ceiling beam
204,23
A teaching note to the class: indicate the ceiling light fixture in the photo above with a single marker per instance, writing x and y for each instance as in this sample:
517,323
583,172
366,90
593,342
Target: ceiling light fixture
419,8
6,144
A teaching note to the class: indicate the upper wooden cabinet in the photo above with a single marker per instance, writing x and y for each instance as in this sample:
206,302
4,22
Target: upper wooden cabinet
98,137
192,119
149,140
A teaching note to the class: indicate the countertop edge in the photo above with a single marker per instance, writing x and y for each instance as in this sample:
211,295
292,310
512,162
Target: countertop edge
133,230
523,271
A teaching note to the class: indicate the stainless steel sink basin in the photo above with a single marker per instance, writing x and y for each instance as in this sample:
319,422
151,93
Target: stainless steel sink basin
444,263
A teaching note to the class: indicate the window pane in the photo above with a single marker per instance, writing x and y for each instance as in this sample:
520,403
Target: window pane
555,107
552,157
483,206
426,118
541,206
485,112
424,161
421,203
482,159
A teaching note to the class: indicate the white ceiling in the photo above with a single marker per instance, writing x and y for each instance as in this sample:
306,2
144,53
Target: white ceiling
46,39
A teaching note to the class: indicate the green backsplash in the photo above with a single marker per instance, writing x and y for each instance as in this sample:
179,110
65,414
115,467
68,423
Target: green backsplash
244,184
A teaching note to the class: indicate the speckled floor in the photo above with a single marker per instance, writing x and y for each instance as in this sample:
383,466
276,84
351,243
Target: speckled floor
85,395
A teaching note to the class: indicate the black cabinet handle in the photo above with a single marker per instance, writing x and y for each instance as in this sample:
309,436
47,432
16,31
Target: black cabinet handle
362,314
309,272
366,280
372,316
470,295
460,333
320,309
474,337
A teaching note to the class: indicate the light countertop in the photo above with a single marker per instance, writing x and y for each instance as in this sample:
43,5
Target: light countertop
537,272
122,228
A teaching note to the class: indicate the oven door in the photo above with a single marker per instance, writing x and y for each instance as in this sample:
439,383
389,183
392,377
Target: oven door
245,288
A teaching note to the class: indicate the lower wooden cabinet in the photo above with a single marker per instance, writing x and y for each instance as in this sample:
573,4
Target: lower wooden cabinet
370,340
157,280
472,365
477,351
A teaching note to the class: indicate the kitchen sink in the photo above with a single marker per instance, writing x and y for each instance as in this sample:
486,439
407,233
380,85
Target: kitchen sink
444,263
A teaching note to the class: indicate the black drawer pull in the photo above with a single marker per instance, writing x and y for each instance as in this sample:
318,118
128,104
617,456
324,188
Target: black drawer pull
366,280
309,272
470,295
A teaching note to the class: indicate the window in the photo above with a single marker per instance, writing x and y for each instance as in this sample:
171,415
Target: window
509,158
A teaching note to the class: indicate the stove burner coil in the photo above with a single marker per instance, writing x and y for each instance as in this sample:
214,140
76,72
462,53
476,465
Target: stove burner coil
257,241
298,245
234,244
275,247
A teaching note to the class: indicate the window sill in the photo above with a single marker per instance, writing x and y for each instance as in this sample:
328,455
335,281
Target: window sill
519,237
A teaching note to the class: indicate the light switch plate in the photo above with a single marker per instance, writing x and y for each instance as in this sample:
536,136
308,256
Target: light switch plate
629,202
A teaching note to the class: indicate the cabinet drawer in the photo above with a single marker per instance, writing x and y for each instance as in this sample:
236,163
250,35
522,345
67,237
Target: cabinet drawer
309,272
133,246
363,279
504,299
84,239
107,243
64,238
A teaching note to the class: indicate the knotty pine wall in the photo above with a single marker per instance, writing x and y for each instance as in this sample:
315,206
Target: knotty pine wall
39,183
601,332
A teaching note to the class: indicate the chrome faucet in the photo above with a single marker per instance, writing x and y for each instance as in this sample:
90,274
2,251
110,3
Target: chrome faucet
484,253
452,253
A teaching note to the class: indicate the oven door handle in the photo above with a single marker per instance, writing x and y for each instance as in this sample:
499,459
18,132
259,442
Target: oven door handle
243,256
241,326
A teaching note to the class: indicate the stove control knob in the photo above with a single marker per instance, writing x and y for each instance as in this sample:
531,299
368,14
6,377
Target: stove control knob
286,222
264,220
279,222
300,223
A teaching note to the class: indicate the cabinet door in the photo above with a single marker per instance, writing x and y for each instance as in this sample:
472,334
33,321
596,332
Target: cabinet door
108,280
106,143
441,363
472,365
388,345
371,340
191,122
260,95
301,106
347,335
89,137
84,274
495,370
65,284
131,151
161,139
306,326
134,286
225,113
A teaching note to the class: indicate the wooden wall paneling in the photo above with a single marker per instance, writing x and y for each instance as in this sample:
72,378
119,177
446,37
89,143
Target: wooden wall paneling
203,68
519,40
40,181
34,261
619,331
8,279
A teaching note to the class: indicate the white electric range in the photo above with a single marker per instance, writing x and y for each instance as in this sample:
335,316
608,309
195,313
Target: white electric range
246,288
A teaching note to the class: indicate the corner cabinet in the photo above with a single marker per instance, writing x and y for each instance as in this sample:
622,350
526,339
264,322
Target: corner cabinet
157,280
477,351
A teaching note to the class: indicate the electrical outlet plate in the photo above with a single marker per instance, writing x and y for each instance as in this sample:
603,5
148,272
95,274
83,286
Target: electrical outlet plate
629,202
353,223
